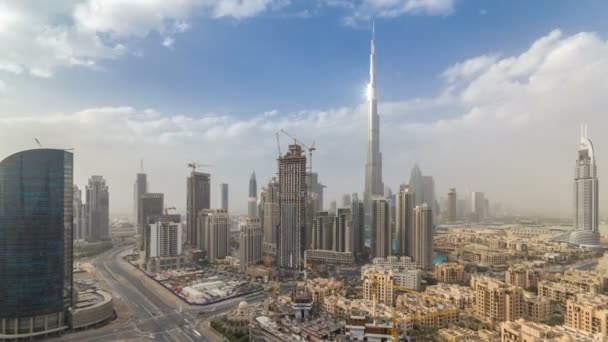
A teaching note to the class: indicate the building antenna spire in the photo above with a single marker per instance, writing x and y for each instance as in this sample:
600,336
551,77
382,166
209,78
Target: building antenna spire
141,165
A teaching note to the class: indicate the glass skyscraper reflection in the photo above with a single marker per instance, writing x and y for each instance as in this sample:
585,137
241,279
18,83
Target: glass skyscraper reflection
36,193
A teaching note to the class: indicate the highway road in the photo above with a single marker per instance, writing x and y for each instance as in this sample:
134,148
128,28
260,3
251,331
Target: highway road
150,316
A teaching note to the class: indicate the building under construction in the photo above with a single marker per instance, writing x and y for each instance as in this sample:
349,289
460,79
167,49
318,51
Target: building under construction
292,208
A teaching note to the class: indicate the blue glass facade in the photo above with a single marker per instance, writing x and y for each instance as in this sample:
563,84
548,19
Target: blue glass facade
36,233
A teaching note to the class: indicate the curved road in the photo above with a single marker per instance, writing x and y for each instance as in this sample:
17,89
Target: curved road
150,316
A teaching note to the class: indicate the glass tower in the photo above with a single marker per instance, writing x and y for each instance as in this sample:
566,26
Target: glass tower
36,194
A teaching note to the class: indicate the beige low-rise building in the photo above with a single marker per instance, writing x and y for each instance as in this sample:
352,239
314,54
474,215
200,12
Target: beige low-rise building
536,308
456,334
588,312
525,331
450,273
522,276
460,296
378,283
557,291
496,301
587,281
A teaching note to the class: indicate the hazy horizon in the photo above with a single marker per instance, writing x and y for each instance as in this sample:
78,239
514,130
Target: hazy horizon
477,102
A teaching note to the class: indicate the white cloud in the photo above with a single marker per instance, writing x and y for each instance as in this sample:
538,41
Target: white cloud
366,9
39,36
503,125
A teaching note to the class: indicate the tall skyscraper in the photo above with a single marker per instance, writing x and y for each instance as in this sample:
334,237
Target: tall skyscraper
271,211
98,209
250,245
358,225
416,184
79,216
333,207
292,208
423,236
428,192
36,203
404,221
585,195
165,238
224,196
214,233
342,232
322,237
373,169
151,206
140,188
452,206
478,206
315,191
346,201
423,187
198,198
381,228
252,201
314,203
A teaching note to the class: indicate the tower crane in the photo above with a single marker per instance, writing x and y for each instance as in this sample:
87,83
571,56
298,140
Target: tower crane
195,165
278,143
310,148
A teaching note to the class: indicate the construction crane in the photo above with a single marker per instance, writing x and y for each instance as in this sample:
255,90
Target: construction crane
194,165
310,148
278,143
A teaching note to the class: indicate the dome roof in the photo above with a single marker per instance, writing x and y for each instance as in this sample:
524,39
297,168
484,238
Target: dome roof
243,306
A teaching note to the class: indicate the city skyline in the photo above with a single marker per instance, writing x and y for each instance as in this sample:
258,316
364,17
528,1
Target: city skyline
471,101
323,170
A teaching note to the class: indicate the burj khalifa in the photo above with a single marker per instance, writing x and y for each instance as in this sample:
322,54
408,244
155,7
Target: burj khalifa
374,188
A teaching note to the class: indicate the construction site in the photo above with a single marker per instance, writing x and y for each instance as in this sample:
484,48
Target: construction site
197,286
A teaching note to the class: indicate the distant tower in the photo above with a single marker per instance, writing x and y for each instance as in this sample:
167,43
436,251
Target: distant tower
79,216
250,246
322,237
292,208
373,169
252,202
423,236
478,206
224,196
404,221
316,192
97,207
585,195
452,206
140,187
150,206
343,237
198,198
271,212
333,207
416,184
214,233
358,225
381,228
346,201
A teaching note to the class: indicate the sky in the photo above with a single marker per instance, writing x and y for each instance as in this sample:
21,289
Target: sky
484,96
